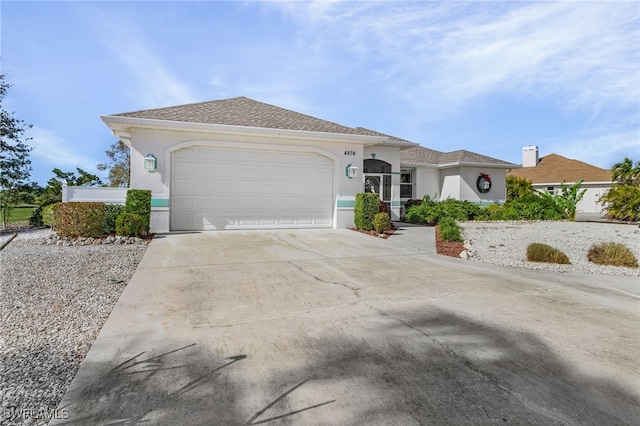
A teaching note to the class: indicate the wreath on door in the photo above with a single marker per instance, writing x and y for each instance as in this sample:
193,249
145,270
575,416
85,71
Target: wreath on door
483,183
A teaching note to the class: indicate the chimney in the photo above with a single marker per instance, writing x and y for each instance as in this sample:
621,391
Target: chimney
530,156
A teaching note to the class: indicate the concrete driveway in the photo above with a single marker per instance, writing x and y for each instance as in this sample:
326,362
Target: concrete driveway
334,327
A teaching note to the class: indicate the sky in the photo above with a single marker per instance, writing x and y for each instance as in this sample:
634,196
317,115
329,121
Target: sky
488,77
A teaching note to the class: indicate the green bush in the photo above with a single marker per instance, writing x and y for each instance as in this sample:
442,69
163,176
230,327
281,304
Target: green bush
613,254
449,230
366,207
35,219
111,213
431,212
382,222
79,219
538,252
129,224
47,216
529,207
622,202
139,202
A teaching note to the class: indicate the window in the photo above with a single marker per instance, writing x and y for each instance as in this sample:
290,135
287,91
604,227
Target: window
406,184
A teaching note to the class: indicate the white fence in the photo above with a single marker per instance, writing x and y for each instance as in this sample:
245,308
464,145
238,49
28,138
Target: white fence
89,193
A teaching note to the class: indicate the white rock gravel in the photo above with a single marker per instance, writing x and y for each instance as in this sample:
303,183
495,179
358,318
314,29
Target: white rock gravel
505,243
53,302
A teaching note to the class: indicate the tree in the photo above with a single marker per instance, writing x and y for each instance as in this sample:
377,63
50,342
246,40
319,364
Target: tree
518,187
623,199
119,159
53,191
15,165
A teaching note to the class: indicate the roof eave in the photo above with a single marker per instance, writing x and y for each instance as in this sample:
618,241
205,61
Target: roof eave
507,166
121,127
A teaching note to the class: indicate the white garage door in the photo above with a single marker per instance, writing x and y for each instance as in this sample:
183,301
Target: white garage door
214,188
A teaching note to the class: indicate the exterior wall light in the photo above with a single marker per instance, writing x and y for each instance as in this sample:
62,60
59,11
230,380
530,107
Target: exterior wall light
351,171
150,163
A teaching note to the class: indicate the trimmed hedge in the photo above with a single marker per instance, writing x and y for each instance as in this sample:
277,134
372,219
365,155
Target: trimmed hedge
139,202
366,207
47,216
382,222
111,213
129,224
79,219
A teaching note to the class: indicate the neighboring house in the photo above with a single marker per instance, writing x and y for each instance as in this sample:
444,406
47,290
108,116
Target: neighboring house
549,172
242,164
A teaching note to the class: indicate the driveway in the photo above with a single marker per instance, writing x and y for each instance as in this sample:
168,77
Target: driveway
335,327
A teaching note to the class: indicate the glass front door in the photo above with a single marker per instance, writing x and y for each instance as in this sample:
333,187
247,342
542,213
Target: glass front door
379,184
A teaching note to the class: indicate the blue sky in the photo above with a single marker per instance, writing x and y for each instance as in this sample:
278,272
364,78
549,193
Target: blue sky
489,77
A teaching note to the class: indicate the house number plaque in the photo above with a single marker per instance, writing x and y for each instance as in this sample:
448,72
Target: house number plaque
349,153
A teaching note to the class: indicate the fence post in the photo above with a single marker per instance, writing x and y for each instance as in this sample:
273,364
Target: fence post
65,193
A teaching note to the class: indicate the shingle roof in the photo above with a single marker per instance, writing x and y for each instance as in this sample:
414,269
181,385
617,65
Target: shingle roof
422,155
242,111
554,168
368,132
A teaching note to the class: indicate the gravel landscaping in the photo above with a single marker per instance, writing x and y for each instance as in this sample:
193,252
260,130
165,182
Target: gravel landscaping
54,299
505,243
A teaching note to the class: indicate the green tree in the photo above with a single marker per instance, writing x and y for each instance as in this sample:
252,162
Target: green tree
53,192
518,187
15,164
569,197
118,166
623,199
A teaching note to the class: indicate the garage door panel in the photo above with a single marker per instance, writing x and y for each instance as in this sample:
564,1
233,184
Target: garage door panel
241,189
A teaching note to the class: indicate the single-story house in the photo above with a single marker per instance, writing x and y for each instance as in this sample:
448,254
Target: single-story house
242,164
549,172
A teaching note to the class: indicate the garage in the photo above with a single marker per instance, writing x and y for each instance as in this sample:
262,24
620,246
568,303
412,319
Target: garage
220,188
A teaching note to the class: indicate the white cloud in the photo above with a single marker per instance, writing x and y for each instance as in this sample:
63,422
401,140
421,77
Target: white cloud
441,55
58,152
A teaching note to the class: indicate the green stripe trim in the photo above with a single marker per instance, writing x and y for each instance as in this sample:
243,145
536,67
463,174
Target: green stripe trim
159,202
346,203
395,173
395,203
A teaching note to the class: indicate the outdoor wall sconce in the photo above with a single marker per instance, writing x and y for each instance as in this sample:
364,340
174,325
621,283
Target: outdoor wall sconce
150,163
373,155
351,171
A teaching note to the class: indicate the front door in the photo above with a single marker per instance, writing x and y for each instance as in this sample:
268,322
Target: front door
379,184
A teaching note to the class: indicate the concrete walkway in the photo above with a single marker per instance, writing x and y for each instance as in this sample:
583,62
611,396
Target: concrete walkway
335,327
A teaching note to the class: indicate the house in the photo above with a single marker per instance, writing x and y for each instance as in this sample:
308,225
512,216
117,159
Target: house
242,164
549,172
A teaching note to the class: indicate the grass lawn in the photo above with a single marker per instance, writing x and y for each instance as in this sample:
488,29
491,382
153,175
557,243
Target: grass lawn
21,213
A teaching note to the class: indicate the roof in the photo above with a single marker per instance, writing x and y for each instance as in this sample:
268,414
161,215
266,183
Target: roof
241,111
554,168
422,155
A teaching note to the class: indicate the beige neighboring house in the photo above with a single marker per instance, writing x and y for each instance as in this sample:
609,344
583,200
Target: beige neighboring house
547,174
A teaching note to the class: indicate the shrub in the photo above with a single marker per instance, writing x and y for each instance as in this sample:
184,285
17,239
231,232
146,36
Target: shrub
79,219
111,213
139,202
129,224
449,230
382,207
366,207
35,219
538,252
529,207
430,211
382,222
47,216
622,202
612,254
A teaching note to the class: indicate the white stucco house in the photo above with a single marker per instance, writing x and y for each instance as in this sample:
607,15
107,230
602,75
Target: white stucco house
549,172
242,164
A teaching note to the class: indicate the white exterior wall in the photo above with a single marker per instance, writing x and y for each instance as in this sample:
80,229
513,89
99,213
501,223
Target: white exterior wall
450,184
161,143
469,190
427,182
392,156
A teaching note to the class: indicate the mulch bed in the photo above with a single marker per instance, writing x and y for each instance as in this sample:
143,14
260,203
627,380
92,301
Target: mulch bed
374,233
447,248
